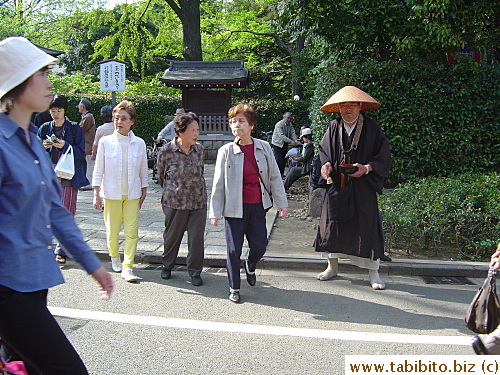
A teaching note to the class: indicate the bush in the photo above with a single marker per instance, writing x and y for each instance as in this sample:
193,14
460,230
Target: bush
440,120
152,109
462,213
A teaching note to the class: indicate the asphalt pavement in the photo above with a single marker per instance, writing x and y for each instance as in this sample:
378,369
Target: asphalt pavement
150,245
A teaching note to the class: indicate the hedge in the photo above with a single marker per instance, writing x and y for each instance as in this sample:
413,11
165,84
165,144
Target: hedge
151,111
440,120
460,213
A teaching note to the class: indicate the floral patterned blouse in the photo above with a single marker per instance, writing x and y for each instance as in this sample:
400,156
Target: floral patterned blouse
181,176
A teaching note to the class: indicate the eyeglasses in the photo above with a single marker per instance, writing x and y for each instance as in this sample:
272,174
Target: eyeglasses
122,118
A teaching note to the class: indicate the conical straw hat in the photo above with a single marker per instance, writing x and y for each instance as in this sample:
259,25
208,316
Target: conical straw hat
350,94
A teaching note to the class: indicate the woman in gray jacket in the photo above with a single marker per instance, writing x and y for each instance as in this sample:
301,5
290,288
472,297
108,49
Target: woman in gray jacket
246,182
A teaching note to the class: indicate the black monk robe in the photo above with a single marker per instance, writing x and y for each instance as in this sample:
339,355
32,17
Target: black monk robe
362,235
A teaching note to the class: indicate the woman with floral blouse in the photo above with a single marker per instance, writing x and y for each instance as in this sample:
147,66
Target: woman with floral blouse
184,199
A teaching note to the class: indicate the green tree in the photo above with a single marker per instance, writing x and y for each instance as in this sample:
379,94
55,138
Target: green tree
391,30
38,19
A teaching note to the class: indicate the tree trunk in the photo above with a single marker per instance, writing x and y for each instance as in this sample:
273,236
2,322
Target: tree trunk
188,12
297,68
191,30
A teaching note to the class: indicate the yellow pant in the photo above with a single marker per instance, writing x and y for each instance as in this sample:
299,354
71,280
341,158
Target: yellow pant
116,212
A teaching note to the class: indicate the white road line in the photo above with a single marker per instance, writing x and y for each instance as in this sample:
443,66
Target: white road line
258,329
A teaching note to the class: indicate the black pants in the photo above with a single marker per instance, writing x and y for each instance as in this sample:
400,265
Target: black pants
253,226
176,223
293,174
280,156
30,333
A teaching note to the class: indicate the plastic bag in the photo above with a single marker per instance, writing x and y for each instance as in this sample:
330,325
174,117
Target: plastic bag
65,167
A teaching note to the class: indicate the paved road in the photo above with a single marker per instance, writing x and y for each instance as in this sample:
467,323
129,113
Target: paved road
289,323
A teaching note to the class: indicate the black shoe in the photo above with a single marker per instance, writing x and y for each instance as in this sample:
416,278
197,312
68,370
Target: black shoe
385,258
251,278
478,346
234,297
165,274
196,280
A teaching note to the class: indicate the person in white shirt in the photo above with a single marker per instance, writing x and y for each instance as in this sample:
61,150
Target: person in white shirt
121,177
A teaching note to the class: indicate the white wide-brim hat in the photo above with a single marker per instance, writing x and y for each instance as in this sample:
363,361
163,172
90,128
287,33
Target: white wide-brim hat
19,60
305,131
350,94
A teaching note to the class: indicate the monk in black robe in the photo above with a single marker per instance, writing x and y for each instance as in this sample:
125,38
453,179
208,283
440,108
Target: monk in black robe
353,139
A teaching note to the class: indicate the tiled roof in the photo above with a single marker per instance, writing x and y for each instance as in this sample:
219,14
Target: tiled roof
229,73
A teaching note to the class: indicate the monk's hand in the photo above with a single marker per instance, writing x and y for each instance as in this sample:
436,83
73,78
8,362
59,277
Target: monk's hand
361,170
326,169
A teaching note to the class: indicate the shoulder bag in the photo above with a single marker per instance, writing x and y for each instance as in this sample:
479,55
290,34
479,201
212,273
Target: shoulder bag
483,314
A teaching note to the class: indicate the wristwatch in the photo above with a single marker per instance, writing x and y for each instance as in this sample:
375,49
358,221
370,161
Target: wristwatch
367,166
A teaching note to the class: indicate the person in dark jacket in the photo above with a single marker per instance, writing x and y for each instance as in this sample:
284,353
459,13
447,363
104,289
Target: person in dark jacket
357,140
65,133
294,173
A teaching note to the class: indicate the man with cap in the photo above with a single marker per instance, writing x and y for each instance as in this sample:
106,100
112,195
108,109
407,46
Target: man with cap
87,123
305,159
355,233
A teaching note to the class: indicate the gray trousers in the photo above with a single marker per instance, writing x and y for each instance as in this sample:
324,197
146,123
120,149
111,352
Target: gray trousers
176,223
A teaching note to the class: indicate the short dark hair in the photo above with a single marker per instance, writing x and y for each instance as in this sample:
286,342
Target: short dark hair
59,101
107,113
182,121
246,110
308,136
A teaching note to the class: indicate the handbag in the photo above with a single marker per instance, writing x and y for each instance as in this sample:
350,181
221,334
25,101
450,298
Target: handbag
65,167
483,314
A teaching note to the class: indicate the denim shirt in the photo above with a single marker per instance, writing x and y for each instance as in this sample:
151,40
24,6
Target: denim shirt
31,213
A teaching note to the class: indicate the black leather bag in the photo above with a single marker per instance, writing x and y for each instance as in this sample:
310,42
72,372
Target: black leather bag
341,203
483,315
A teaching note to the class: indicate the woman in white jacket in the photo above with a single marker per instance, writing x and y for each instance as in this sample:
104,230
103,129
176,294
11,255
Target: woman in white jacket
121,178
246,176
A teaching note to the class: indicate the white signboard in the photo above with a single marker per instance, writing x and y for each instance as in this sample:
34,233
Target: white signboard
112,76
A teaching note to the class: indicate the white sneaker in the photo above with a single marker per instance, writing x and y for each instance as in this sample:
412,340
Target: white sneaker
128,275
116,264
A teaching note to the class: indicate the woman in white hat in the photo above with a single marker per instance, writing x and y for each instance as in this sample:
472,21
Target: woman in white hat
350,224
30,203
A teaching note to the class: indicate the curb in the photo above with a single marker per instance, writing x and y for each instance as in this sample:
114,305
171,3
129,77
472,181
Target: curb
290,262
